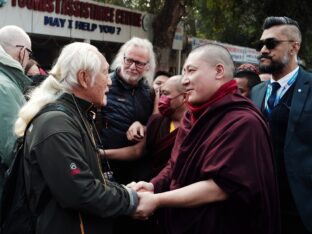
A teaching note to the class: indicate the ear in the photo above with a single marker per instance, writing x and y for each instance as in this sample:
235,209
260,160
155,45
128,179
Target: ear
83,78
19,55
219,71
295,48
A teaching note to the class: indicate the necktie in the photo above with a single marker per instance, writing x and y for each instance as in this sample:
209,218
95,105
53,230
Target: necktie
271,100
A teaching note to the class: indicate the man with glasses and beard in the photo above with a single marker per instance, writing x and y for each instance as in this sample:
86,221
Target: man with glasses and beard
15,51
286,102
129,100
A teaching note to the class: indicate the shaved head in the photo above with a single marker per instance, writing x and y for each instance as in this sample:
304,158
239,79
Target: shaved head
11,35
175,81
215,54
16,43
291,32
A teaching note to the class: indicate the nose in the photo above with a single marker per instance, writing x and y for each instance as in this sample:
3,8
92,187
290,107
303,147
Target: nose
109,81
264,50
185,80
132,66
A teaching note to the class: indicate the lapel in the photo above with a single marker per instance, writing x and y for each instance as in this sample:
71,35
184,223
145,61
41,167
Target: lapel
301,93
259,94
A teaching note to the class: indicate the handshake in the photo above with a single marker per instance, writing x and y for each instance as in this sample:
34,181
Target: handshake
148,201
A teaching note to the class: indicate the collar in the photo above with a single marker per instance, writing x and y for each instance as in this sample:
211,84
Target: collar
7,60
283,81
16,75
225,89
84,106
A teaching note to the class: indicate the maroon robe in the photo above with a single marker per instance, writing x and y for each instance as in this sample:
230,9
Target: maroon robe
229,143
159,141
159,144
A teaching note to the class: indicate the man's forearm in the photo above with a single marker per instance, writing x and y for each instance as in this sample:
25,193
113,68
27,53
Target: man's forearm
196,194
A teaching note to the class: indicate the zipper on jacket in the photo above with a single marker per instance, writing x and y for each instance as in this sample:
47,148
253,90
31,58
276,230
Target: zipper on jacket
91,137
100,168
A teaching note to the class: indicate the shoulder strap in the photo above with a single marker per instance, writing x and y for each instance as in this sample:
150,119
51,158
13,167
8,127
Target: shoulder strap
53,107
20,141
47,108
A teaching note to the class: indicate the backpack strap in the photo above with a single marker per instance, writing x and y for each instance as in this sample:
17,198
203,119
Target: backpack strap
47,108
53,107
20,141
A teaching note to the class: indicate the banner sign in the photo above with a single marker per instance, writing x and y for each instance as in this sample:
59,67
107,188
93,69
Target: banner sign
77,19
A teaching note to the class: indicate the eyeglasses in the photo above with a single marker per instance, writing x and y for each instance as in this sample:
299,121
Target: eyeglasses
28,50
269,43
138,64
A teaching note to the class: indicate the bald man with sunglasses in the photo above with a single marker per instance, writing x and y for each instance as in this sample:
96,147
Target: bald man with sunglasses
15,50
286,102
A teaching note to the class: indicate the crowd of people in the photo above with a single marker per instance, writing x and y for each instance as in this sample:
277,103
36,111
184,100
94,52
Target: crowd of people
215,149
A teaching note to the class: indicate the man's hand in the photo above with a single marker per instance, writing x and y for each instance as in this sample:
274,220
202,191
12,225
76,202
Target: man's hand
141,186
136,131
147,205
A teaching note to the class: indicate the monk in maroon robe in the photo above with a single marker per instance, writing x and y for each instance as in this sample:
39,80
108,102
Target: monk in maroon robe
161,131
220,178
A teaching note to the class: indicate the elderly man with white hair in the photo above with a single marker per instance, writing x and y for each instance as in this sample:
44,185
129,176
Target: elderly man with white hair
65,185
15,50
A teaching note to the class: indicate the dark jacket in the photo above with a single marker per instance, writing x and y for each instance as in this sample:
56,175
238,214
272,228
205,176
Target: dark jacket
125,105
64,180
298,143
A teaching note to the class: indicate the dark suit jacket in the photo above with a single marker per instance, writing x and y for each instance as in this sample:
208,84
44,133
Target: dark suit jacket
298,143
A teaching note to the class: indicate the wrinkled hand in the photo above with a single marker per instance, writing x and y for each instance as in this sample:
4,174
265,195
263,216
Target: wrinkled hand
141,186
147,205
136,131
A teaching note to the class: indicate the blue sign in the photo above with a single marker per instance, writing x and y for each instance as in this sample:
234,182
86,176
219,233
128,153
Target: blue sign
80,25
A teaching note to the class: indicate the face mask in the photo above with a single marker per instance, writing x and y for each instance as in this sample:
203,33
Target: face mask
164,105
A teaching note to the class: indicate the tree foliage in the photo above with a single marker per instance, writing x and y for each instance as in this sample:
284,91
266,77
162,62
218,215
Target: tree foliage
168,15
237,22
150,6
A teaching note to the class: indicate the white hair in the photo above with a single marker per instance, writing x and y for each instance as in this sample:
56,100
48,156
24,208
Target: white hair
137,42
63,78
10,36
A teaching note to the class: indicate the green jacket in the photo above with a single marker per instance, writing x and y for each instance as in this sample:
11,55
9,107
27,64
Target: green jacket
13,82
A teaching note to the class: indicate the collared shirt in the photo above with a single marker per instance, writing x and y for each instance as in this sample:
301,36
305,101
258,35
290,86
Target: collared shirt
284,82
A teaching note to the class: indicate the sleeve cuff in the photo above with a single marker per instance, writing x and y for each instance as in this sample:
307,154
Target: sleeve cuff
134,200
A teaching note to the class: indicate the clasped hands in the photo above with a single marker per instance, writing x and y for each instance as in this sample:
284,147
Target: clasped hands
148,201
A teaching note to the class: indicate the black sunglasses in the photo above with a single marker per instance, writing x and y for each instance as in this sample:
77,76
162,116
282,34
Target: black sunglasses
269,43
28,50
